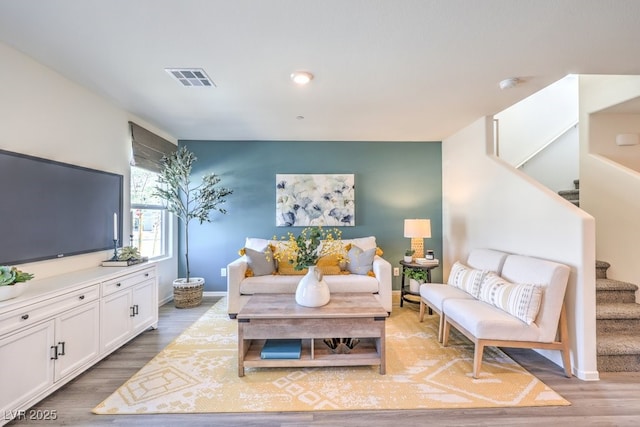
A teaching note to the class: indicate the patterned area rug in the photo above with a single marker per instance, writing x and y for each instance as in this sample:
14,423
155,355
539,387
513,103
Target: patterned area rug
198,373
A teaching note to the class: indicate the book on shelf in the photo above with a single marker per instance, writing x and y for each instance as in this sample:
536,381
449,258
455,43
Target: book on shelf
124,263
428,262
281,349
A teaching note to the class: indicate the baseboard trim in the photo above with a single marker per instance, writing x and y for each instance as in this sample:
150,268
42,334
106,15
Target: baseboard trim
214,293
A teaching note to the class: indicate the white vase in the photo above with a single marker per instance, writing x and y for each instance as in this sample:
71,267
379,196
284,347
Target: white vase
12,291
312,290
414,286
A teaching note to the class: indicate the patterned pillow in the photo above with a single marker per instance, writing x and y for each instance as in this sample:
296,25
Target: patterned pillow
519,300
360,262
261,263
466,278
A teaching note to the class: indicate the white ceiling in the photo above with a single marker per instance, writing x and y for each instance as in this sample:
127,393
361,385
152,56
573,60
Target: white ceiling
388,70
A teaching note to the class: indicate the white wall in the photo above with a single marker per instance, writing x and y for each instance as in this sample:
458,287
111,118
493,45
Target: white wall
609,189
603,128
45,115
487,203
558,165
532,123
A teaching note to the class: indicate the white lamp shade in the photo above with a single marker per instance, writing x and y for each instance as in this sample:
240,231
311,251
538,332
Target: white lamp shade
417,228
627,139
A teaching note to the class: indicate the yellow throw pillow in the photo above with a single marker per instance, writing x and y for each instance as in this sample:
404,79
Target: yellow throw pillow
329,264
287,269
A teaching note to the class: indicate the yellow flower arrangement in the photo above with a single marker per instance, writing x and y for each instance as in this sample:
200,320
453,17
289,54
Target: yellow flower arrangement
307,248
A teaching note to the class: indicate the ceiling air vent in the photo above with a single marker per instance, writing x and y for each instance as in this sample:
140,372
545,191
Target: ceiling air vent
190,77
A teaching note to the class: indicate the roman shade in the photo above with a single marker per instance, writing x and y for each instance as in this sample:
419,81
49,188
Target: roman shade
148,148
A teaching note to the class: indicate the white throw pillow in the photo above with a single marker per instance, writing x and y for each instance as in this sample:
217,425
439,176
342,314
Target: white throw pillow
466,278
519,300
256,244
364,243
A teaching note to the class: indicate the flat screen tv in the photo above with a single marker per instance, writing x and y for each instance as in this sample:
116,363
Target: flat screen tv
50,209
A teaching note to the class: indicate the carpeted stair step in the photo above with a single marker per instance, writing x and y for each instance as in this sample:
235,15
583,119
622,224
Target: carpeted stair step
619,353
612,291
571,195
616,318
601,269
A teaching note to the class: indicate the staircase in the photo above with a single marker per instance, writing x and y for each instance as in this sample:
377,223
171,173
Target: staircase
617,323
572,195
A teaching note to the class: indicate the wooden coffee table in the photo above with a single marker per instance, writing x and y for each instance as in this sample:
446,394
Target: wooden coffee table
277,316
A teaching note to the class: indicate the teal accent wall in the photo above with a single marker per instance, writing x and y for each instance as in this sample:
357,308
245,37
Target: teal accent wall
393,181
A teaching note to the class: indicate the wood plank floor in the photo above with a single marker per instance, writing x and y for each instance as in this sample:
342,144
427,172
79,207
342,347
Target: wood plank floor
612,401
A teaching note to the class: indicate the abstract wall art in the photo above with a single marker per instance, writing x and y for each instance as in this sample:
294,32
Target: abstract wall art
315,199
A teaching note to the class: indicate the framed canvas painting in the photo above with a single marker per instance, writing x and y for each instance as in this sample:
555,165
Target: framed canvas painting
315,199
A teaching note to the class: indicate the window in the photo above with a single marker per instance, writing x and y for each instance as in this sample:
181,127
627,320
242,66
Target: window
148,215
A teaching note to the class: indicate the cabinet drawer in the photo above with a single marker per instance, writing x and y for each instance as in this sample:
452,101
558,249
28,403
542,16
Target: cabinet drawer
45,309
124,282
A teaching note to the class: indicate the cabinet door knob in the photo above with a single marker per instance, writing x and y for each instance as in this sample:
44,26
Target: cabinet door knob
24,317
81,297
118,285
146,274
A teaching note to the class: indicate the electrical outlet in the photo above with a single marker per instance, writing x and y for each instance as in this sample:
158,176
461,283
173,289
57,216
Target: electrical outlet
396,271
223,272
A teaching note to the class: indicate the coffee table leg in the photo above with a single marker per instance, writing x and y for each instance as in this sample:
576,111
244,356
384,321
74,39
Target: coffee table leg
241,350
380,342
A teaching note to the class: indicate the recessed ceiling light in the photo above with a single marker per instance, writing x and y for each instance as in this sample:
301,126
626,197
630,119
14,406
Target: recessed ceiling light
191,77
301,77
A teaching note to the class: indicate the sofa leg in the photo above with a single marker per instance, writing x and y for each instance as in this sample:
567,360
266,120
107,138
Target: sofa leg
477,359
441,327
422,309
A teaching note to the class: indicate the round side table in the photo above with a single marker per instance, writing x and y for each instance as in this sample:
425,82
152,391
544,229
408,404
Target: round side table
404,289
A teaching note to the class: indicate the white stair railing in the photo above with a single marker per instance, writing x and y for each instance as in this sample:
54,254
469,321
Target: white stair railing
542,147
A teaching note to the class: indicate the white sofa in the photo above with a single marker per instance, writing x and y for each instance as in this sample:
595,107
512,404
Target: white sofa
473,308
240,288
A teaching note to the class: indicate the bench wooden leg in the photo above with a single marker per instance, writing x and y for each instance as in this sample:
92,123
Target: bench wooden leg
422,309
564,338
445,333
477,358
441,327
566,361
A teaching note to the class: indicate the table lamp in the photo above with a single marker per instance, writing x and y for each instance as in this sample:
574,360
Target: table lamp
417,230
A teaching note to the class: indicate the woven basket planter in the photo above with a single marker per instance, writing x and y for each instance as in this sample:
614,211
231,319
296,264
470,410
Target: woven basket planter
187,295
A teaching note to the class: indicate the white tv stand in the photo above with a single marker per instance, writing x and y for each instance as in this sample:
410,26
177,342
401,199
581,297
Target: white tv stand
63,325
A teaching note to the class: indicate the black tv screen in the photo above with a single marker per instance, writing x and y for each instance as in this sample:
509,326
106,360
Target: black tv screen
50,209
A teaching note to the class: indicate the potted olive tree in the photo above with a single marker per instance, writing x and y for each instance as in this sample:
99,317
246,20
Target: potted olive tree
188,202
